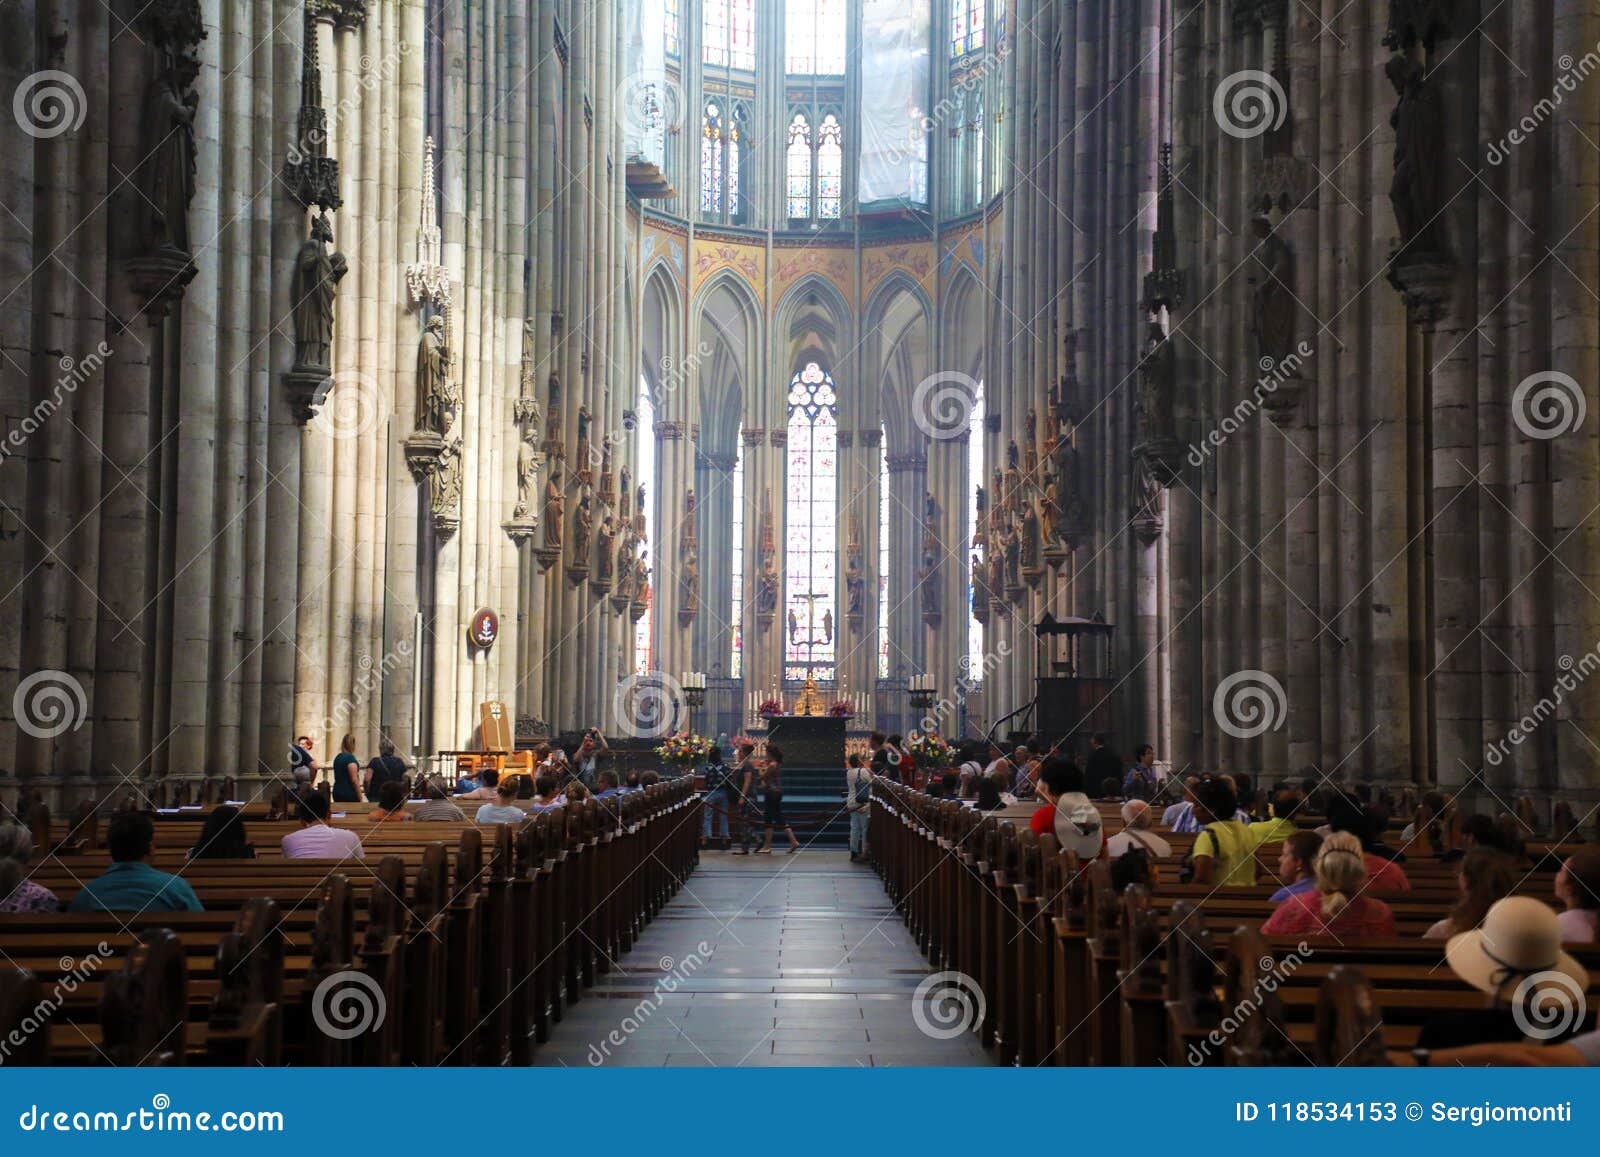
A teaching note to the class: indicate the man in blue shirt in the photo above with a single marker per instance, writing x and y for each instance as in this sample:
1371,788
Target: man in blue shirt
130,884
607,784
1295,862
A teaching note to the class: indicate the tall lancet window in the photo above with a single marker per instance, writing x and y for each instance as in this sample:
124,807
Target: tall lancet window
975,664
816,32
966,27
830,168
728,29
643,657
799,187
736,655
883,556
811,617
711,161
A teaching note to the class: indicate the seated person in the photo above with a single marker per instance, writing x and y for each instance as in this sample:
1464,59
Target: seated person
1483,877
987,798
1179,817
547,792
1346,813
1137,822
391,804
1578,889
1281,826
316,840
222,837
1514,957
503,810
1224,852
17,892
1110,790
130,884
606,785
1579,1051
1295,859
488,786
437,807
1337,907
1068,813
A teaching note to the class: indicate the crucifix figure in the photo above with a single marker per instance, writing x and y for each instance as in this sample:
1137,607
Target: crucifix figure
811,638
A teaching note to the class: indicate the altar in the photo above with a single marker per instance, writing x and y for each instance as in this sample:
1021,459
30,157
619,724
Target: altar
808,741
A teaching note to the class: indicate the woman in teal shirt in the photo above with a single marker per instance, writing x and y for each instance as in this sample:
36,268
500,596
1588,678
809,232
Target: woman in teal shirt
346,769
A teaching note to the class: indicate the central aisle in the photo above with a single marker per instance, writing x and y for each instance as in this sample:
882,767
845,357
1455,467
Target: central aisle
807,964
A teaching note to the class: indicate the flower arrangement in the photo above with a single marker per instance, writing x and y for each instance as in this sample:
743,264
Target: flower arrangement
769,708
930,751
684,749
842,709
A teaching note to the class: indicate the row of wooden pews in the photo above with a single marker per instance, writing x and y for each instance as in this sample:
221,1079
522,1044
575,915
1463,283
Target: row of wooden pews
448,944
1072,973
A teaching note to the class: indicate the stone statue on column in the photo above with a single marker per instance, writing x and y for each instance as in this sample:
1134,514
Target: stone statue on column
980,589
167,176
767,574
1032,539
437,397
585,465
690,586
1417,189
855,579
553,446
1272,295
315,286
159,248
446,489
605,556
928,573
527,470
554,512
582,528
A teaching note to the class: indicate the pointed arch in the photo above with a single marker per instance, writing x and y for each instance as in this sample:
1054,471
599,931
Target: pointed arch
898,354
725,349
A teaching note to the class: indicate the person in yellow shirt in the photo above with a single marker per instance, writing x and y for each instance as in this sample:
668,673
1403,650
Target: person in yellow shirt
1281,826
1224,851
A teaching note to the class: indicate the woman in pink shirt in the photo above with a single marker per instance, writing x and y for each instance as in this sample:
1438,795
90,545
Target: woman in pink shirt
1338,907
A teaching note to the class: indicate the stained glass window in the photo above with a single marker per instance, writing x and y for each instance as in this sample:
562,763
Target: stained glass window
816,32
735,147
975,137
642,656
736,657
810,620
670,11
975,664
883,557
830,168
711,161
966,27
729,29
799,186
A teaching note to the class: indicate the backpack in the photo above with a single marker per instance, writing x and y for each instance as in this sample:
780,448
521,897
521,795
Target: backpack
863,792
1186,867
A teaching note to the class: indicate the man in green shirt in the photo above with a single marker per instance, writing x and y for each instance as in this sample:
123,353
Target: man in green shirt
1281,826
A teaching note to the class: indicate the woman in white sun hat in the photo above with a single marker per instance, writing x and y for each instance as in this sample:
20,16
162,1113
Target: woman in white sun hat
1536,991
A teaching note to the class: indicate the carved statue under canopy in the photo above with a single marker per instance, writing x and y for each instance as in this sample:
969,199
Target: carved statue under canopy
315,285
527,471
1272,294
437,397
1032,542
552,426
1417,189
447,484
607,549
168,173
554,514
582,529
585,420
